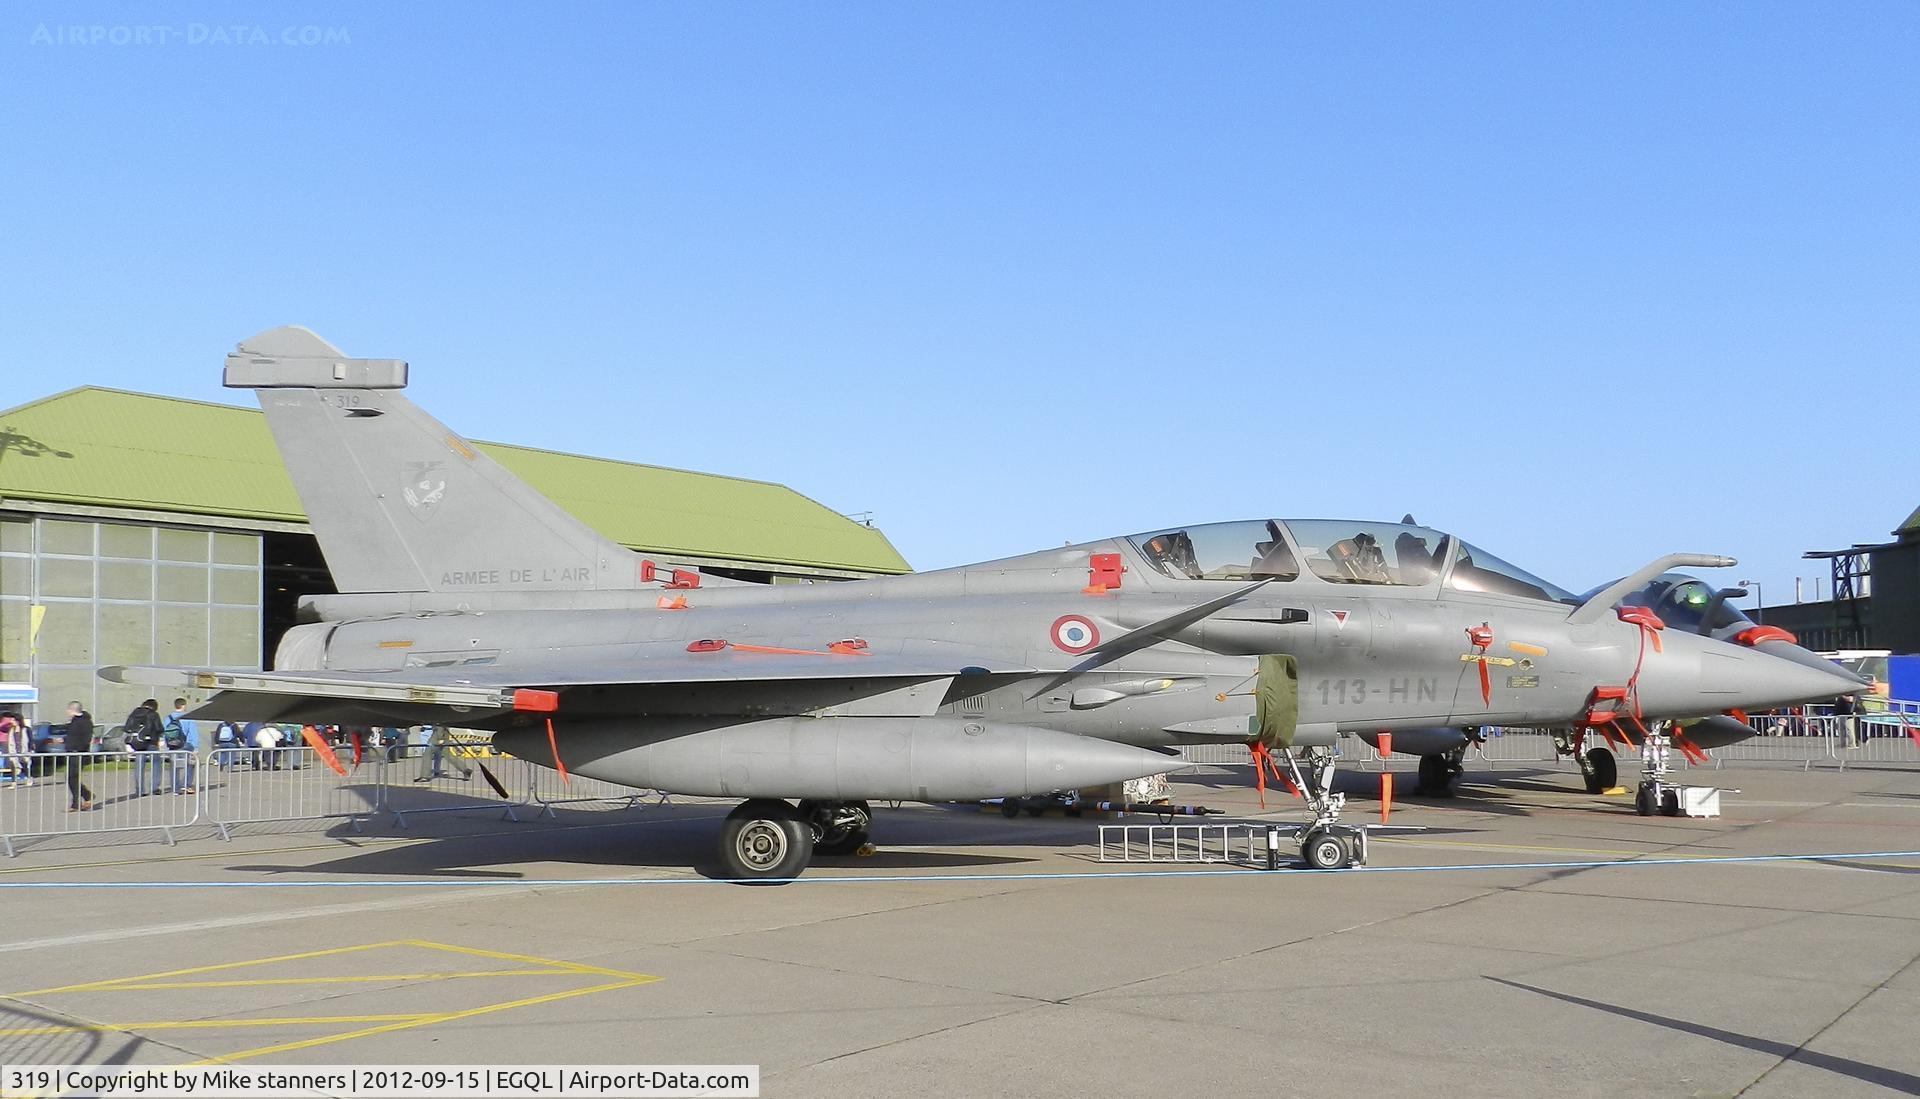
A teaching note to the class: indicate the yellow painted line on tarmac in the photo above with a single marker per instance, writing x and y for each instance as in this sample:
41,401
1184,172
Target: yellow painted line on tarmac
261,982
202,1024
429,1020
528,965
501,955
90,986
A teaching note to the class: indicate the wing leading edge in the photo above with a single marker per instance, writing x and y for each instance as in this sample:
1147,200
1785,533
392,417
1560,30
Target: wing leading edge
789,681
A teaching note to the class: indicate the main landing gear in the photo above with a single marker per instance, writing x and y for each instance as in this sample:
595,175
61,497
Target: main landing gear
768,840
1598,767
1438,771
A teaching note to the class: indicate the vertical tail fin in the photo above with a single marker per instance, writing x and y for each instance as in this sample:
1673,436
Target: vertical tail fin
399,502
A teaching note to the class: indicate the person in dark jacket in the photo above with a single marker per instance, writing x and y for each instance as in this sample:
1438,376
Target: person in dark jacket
144,739
79,739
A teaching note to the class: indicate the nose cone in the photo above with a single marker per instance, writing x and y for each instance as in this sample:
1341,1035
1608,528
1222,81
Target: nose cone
1787,650
1696,675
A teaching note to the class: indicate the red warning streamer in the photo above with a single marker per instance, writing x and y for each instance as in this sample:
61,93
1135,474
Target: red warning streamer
1912,728
1263,761
1386,777
553,745
1481,638
322,749
1689,749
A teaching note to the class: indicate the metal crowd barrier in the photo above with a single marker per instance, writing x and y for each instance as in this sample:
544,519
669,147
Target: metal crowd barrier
1881,732
114,792
452,777
266,785
1224,755
547,789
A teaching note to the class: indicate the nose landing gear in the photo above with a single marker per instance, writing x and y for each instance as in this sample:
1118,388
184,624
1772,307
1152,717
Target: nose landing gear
1325,843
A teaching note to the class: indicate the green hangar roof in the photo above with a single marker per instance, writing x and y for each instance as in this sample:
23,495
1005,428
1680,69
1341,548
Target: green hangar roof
111,448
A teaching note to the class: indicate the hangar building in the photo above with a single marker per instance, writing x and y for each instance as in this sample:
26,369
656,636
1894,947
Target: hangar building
1876,597
140,529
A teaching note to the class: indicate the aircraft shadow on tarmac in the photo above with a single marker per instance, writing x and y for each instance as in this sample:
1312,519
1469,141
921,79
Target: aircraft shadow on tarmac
676,837
1469,792
1904,1083
1877,867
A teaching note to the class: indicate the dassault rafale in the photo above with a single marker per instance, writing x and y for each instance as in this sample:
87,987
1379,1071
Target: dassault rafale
466,598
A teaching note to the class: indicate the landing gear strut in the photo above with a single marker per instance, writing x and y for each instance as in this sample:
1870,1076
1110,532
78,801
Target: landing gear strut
1437,773
1656,794
840,827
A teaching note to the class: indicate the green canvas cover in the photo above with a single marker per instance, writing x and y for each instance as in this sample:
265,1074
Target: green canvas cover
1276,699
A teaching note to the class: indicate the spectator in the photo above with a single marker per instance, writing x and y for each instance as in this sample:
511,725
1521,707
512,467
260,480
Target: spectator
145,738
250,737
16,765
183,747
226,741
78,734
1846,716
439,749
267,740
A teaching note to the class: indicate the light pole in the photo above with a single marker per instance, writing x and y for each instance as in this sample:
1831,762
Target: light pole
1759,601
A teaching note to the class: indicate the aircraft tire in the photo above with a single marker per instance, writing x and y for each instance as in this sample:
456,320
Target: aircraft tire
1010,808
765,840
1323,850
847,839
1436,777
1643,801
1669,803
1605,771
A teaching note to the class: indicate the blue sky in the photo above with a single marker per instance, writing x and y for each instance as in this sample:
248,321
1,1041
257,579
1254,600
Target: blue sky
1581,283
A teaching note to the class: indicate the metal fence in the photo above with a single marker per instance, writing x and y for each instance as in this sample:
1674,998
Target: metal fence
547,789
459,773
1882,731
97,792
135,792
265,785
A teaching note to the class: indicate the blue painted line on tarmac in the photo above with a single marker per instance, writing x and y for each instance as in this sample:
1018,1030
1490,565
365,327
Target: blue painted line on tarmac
1230,870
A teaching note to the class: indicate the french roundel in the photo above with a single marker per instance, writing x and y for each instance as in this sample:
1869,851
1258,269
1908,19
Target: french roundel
1074,634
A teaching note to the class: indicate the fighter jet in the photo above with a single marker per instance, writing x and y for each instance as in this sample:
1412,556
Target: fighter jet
468,599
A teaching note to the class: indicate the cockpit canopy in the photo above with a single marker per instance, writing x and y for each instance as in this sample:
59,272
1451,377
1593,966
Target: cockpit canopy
1338,551
1688,603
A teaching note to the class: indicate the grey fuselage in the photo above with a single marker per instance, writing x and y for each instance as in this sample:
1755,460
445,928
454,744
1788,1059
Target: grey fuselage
1370,658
